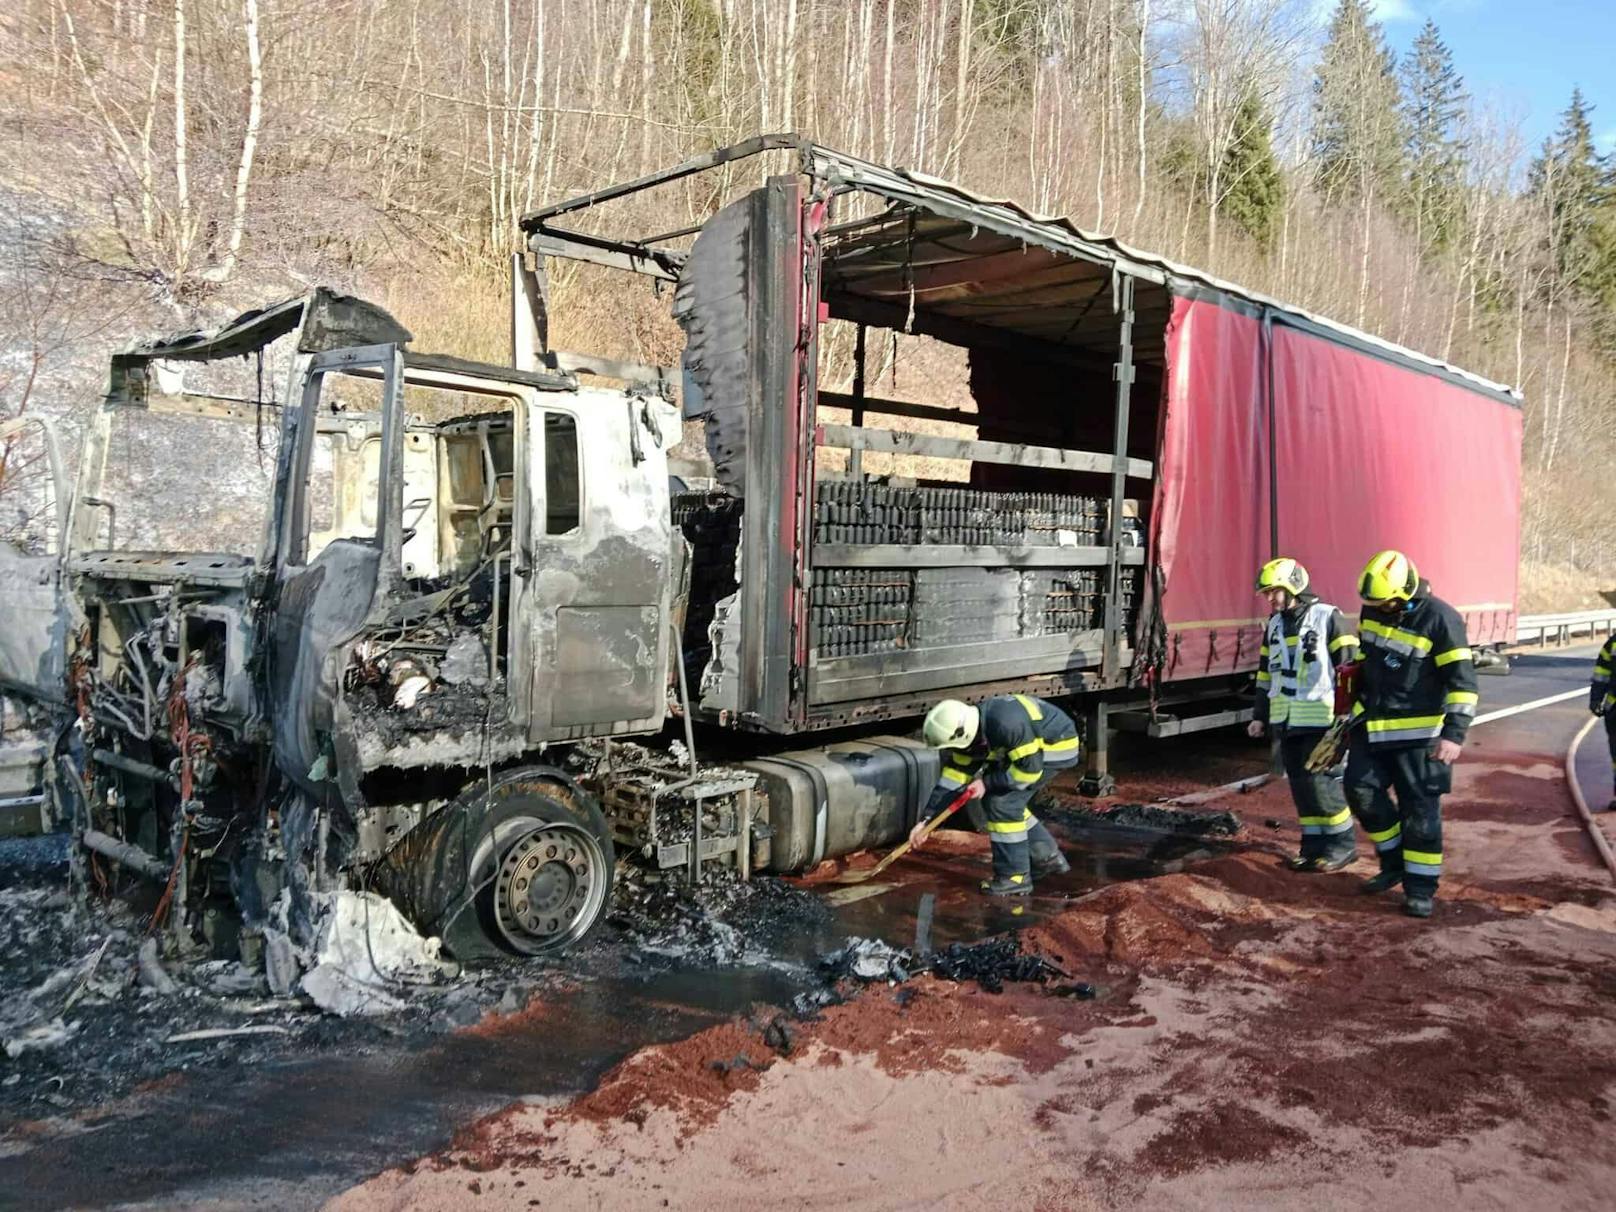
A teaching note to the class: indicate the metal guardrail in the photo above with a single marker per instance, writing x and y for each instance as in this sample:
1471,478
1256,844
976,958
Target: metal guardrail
1561,627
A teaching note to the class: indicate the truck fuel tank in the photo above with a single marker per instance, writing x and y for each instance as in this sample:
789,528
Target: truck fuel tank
828,802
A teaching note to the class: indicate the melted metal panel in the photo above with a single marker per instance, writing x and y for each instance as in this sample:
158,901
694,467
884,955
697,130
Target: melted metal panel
596,600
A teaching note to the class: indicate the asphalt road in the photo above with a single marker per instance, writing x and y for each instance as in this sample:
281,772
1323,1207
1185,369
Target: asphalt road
290,1135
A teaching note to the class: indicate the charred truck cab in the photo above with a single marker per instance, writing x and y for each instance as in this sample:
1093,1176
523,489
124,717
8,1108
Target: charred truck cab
289,713
385,631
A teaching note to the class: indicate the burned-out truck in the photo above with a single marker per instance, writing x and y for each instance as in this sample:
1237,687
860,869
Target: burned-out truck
393,626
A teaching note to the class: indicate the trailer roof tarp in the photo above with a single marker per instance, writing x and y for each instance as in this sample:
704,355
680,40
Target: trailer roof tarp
975,259
1360,454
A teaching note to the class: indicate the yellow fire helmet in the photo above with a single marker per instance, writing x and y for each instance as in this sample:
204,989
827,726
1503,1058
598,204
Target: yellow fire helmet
1283,573
1388,575
952,725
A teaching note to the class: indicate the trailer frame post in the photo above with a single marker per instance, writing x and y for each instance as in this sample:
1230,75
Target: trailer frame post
1097,778
855,457
1123,372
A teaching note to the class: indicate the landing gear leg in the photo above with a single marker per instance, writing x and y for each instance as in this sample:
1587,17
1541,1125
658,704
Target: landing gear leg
1097,778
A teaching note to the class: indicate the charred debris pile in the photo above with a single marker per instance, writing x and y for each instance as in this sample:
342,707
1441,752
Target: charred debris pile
94,1006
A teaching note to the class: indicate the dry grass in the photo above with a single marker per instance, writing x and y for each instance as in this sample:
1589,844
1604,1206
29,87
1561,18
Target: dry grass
1549,588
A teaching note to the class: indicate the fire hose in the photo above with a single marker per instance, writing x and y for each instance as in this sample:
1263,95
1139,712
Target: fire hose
1595,833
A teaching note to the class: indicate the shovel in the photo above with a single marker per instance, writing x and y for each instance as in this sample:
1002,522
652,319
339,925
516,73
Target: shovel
858,877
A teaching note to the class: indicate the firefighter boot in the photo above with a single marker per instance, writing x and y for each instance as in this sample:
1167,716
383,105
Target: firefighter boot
1054,865
1012,873
1046,857
1334,862
1384,882
1418,906
1008,885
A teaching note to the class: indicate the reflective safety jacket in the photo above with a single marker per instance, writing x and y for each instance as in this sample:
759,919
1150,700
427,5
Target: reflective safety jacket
1301,647
1019,739
1599,690
1418,682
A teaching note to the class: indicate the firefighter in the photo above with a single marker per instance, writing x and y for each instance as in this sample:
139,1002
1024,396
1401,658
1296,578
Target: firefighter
1305,641
1003,751
1602,702
1416,697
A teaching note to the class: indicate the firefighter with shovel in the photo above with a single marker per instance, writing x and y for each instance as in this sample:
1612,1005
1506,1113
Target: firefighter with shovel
1002,752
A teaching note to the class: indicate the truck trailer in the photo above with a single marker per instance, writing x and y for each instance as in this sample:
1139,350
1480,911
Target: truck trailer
456,637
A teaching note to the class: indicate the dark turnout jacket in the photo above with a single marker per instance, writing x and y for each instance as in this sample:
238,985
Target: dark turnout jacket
1418,681
1019,738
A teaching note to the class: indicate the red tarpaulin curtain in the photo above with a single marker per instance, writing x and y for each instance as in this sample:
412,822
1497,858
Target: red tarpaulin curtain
1374,455
1368,454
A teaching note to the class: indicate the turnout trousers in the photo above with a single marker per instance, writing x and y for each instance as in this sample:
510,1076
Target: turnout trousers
1019,839
1321,804
1407,829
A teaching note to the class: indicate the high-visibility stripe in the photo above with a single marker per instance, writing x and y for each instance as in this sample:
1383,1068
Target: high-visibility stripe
1263,651
1343,641
1326,830
1422,862
1025,776
960,758
1065,746
1262,675
1034,712
1405,728
1406,734
1021,751
1405,723
1007,827
954,778
1461,702
1381,835
1338,818
1311,712
1394,638
1452,655
1357,710
1602,670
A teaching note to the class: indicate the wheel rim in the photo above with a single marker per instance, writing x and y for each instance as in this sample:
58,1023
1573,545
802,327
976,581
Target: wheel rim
550,886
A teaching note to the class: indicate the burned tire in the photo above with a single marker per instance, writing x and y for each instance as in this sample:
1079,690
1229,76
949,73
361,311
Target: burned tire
520,868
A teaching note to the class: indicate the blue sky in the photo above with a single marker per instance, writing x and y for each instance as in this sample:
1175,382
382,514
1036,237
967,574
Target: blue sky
1523,54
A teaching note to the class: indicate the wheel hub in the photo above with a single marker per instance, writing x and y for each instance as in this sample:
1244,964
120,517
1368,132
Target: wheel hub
544,884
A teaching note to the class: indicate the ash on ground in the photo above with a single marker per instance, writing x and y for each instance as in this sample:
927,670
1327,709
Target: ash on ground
1150,818
991,964
721,921
85,1018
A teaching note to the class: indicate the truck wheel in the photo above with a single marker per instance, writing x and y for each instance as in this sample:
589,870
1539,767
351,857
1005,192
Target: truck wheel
523,867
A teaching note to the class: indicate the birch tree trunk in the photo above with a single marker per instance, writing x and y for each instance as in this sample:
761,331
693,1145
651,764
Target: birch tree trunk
182,168
249,141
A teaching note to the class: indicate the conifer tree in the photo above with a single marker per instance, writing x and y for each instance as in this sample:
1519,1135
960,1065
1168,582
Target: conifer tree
1254,196
1433,104
1574,186
1358,128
